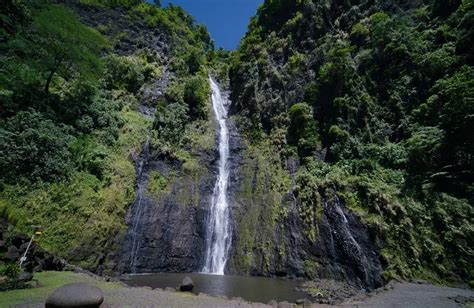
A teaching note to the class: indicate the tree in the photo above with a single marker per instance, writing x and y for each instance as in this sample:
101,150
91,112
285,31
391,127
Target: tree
33,146
13,13
196,96
64,45
444,8
302,129
170,122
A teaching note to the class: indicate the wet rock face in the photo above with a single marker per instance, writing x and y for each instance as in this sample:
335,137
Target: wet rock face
167,228
166,231
342,249
346,245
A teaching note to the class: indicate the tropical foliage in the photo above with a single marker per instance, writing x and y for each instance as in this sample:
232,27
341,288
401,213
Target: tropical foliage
69,120
377,103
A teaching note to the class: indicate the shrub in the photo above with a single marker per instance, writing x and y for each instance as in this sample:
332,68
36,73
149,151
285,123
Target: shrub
196,96
33,146
124,73
10,270
170,122
302,131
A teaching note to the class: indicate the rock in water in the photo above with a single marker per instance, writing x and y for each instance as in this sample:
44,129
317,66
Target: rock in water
75,295
186,284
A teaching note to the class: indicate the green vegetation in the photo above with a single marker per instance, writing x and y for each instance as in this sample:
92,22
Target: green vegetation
260,206
9,273
112,3
157,183
47,283
69,122
9,270
376,103
372,102
301,129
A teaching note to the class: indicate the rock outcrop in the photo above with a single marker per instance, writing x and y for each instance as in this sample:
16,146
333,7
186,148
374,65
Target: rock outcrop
269,243
37,258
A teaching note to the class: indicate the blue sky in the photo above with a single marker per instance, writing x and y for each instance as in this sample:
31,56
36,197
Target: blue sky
226,20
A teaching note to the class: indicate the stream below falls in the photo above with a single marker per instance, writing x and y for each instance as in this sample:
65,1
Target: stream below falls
254,289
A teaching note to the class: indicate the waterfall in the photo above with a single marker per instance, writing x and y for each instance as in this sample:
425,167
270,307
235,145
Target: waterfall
218,227
136,231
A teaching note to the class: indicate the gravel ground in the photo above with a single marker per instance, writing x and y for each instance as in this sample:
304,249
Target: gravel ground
144,297
417,295
117,295
404,295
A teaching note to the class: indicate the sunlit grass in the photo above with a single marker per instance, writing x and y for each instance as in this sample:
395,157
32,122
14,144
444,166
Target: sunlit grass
47,283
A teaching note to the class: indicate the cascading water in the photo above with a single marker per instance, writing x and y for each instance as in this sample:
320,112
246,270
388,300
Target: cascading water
218,227
137,223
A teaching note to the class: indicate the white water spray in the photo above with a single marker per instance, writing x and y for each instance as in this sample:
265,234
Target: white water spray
218,229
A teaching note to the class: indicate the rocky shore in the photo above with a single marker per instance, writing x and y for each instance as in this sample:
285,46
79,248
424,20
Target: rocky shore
116,294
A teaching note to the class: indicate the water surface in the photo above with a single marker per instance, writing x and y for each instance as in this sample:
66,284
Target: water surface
254,289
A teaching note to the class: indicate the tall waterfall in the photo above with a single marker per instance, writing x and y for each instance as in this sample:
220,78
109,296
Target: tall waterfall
137,228
218,228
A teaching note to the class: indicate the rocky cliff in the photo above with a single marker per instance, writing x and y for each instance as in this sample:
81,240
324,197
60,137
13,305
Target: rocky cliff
272,238
332,98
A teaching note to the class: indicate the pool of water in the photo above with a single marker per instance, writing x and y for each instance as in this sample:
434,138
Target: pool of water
255,289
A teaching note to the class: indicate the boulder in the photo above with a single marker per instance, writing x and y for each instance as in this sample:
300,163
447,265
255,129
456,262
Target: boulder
25,277
187,284
273,303
284,305
75,295
19,239
23,247
12,254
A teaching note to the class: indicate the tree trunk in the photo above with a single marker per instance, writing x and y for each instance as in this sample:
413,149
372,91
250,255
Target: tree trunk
48,81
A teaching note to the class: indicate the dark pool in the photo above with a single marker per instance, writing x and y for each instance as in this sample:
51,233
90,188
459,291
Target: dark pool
255,289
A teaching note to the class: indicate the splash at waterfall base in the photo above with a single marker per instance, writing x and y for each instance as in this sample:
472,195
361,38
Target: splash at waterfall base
269,236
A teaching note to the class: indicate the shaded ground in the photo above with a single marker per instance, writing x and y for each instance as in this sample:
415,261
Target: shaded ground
118,295
418,295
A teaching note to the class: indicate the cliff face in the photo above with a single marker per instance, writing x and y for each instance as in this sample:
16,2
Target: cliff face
331,98
271,237
166,224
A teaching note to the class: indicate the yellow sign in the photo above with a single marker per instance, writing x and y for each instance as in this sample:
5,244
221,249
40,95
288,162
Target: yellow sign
38,233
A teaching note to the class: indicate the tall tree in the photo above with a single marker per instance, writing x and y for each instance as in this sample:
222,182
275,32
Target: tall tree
64,45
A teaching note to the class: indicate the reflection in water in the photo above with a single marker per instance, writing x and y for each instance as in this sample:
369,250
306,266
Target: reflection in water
255,289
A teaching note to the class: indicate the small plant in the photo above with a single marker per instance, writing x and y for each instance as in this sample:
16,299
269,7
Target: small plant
10,270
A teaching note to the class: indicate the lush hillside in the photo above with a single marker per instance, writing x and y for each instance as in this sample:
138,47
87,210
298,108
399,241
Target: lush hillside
350,136
79,84
374,100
